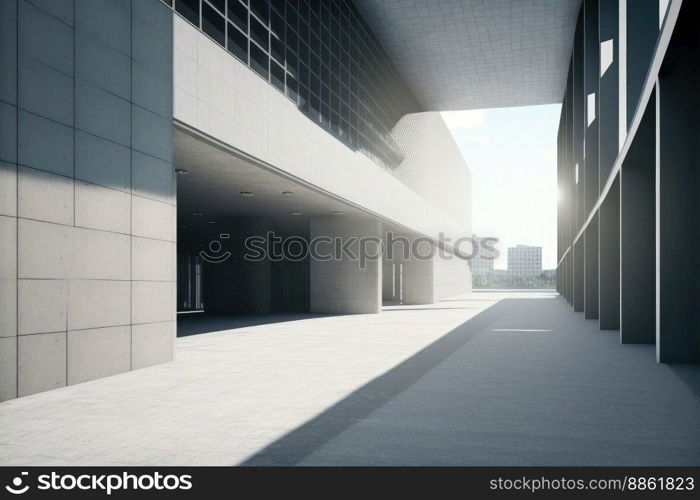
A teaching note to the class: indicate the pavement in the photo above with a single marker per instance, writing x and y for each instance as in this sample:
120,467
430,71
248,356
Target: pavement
489,378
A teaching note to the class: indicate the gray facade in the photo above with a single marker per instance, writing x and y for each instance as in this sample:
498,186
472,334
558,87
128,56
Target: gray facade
87,207
628,217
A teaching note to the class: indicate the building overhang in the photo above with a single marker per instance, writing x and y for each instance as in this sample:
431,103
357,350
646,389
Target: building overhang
475,54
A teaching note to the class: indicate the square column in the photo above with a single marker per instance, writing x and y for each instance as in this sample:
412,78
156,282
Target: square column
609,259
677,207
343,284
637,236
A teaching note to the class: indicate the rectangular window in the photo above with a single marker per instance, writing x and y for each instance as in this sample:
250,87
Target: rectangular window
303,31
292,63
219,4
238,14
213,24
261,11
237,43
292,88
259,61
277,49
303,53
314,105
278,6
189,9
291,17
259,34
277,25
303,98
277,75
304,75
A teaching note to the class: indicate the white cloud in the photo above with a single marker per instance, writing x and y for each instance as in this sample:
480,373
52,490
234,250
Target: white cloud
464,119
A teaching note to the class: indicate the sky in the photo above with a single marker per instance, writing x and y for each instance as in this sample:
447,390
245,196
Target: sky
512,155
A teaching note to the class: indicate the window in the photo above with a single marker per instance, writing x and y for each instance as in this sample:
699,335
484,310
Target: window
277,25
189,9
259,34
219,4
261,11
237,43
277,48
238,14
277,75
322,55
213,24
259,61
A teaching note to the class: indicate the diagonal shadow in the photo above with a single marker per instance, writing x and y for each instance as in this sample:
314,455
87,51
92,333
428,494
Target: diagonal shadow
292,448
196,324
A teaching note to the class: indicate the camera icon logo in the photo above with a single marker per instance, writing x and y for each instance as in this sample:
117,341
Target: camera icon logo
16,487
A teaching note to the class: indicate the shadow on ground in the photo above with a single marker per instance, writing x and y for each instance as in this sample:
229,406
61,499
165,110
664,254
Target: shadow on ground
198,323
295,446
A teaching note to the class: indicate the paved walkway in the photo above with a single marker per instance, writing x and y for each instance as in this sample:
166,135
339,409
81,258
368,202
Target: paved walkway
509,378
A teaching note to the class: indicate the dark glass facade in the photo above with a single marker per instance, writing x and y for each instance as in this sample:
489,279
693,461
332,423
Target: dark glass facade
322,55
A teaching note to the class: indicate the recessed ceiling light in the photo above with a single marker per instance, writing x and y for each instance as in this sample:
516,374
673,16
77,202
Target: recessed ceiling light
288,193
246,193
197,214
181,171
337,212
294,213
211,222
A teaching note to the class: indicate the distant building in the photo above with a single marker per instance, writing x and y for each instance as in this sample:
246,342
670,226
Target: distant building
482,261
524,260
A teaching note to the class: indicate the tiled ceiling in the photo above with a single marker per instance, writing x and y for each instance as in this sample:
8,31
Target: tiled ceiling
474,54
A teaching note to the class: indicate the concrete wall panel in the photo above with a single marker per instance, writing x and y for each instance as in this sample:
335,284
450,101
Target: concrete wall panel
98,207
44,249
45,196
152,301
101,113
102,162
8,368
100,255
101,65
45,91
41,362
98,353
42,306
98,303
45,144
152,344
151,260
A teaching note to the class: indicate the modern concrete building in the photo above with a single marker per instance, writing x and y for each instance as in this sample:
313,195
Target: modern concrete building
280,116
524,260
628,173
142,143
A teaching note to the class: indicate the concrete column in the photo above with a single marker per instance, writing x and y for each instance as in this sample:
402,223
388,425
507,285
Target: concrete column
578,271
608,93
345,285
637,235
609,259
590,307
678,208
642,33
